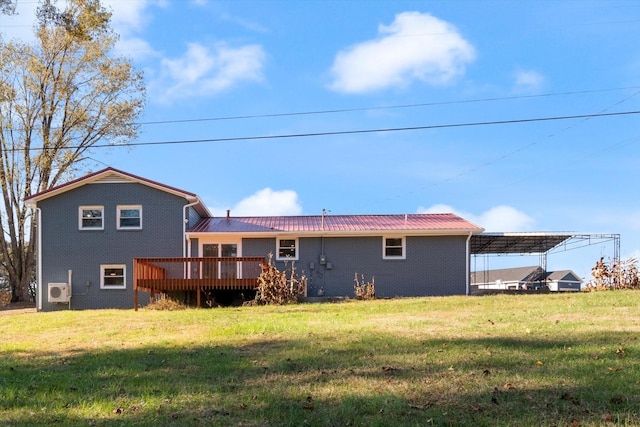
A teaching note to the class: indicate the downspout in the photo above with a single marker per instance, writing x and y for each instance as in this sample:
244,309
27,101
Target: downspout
185,221
39,255
468,262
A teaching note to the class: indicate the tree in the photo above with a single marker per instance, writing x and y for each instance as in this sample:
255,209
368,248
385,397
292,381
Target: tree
7,7
59,98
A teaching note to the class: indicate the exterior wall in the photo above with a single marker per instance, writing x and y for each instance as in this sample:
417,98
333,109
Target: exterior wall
433,265
65,247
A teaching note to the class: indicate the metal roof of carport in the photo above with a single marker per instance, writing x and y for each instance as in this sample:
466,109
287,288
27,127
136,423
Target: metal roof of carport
516,243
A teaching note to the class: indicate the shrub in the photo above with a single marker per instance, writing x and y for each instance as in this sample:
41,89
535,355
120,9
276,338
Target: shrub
279,287
163,302
364,290
614,275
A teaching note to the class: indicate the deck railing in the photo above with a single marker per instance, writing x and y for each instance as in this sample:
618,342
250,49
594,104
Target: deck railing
162,275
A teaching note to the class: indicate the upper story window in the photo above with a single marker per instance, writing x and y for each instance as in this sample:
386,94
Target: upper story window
129,217
91,217
394,248
287,249
112,276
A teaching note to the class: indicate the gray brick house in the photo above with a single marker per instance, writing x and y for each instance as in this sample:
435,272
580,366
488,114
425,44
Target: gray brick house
112,239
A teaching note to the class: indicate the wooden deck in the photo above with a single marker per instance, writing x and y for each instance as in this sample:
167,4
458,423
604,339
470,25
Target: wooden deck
162,275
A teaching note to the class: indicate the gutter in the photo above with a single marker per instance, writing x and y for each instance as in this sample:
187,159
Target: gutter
39,255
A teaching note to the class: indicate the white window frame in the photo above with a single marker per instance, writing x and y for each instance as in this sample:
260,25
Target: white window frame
385,246
296,248
121,208
90,208
104,267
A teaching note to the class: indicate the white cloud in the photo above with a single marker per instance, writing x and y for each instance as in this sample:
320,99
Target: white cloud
528,81
207,70
416,46
265,202
498,219
129,16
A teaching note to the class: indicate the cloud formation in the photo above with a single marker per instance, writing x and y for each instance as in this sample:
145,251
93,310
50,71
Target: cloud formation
207,70
416,46
528,81
497,219
265,202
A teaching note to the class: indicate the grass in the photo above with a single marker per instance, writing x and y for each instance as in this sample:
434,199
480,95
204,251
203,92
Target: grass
528,360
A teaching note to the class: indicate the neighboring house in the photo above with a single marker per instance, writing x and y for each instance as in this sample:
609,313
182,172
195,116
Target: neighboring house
108,236
523,278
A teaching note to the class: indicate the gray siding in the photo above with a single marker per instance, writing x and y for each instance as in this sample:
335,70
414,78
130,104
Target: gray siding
433,265
65,247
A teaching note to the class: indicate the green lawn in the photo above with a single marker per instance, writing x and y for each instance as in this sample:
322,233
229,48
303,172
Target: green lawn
526,360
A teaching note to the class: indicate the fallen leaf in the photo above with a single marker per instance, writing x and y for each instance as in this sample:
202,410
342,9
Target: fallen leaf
508,386
617,400
539,363
428,404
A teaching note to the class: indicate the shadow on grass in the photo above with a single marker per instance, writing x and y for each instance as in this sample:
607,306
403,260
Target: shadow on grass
369,380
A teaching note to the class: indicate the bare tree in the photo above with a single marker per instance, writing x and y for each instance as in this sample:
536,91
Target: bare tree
59,98
7,7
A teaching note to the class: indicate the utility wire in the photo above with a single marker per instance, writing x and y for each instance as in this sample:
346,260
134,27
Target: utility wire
388,107
348,132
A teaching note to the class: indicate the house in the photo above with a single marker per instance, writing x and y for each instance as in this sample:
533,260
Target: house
526,278
112,239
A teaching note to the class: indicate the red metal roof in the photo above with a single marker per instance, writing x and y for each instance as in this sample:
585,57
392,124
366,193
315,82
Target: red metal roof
337,224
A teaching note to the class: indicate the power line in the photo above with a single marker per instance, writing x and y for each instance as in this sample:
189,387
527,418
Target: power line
388,107
351,132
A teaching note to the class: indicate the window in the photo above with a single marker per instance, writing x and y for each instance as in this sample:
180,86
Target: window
129,217
393,248
287,249
112,276
91,217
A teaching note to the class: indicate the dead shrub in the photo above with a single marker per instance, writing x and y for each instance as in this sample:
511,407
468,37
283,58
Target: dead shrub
364,290
614,275
164,303
5,297
277,287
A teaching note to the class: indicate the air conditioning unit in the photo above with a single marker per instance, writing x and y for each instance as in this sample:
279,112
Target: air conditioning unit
59,292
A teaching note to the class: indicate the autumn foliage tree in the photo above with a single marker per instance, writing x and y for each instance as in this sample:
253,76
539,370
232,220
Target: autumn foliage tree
60,96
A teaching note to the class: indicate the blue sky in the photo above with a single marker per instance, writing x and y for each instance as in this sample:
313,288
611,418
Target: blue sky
222,71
